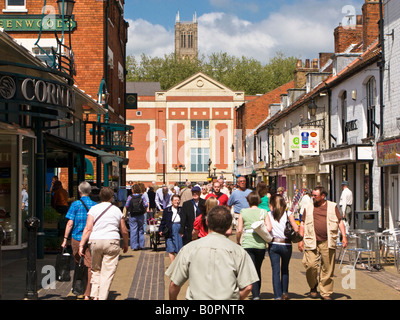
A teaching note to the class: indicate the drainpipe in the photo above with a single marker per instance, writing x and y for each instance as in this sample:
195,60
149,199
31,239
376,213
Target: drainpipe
381,77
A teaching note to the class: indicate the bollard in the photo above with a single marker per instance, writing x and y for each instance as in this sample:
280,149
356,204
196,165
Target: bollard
1,269
32,224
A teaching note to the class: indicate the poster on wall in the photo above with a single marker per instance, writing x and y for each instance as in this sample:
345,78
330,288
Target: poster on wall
309,142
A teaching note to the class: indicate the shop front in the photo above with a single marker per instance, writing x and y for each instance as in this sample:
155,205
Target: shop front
354,164
388,152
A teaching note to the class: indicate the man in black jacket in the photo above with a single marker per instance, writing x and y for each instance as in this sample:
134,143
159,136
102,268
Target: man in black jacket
190,210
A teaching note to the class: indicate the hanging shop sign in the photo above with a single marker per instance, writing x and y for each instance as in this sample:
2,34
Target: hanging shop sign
27,90
309,142
294,142
11,23
388,153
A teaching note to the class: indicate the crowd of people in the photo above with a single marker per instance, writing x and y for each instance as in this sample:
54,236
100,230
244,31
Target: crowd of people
196,223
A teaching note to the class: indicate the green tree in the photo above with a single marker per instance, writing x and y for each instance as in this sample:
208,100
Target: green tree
244,74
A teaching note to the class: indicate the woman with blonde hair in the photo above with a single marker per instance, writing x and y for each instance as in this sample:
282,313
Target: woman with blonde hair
280,249
200,228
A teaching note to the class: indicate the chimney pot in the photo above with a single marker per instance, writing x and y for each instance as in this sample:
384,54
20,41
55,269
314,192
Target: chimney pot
307,63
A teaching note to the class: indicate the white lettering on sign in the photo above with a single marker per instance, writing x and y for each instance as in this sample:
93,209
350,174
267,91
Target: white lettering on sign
48,92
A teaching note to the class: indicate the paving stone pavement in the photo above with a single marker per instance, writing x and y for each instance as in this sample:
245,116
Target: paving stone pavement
140,276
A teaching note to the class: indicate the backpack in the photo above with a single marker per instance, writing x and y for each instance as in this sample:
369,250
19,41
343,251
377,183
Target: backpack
136,206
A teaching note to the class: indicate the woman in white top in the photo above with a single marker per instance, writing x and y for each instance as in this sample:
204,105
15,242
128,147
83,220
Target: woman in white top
280,249
103,226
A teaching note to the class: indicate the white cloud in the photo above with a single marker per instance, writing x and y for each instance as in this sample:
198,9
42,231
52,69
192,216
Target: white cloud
302,29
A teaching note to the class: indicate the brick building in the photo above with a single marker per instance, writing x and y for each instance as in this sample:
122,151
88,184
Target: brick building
196,117
98,41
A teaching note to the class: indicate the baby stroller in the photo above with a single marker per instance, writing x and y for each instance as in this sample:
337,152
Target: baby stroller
155,238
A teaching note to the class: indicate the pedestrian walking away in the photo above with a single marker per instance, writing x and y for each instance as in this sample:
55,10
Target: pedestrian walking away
136,207
216,267
319,228
252,242
172,220
280,248
77,217
104,225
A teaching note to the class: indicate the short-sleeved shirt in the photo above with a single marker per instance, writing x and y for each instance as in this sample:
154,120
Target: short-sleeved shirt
108,225
238,199
217,268
252,239
320,223
264,203
78,214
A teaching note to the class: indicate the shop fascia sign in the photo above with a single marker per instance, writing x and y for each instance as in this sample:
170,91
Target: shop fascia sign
306,142
27,90
15,23
388,153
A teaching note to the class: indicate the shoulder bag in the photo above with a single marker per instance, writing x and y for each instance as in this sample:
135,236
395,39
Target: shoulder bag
290,234
260,228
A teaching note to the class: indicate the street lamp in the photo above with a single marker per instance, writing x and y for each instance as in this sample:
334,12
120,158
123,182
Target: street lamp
65,7
180,167
163,150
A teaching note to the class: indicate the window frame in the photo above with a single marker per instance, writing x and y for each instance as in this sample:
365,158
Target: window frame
371,106
205,129
204,153
15,8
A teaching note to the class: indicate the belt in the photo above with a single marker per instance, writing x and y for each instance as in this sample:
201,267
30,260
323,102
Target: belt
281,240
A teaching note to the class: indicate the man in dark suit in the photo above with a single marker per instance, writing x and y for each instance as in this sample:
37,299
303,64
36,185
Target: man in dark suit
190,210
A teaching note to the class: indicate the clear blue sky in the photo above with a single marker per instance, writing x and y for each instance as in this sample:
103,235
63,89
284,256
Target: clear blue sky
253,28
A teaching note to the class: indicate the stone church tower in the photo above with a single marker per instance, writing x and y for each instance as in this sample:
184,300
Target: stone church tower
186,38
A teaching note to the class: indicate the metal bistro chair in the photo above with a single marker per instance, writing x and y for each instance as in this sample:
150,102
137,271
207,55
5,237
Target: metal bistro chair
389,241
354,249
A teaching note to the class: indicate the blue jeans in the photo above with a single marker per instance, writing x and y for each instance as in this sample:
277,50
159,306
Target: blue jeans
280,271
136,232
257,255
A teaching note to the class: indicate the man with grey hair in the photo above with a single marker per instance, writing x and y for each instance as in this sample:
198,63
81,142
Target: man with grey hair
77,216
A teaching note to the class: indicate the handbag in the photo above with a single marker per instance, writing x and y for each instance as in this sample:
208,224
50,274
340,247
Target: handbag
290,234
63,266
167,232
260,228
80,278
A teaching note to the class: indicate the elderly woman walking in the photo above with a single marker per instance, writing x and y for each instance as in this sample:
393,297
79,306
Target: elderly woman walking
103,226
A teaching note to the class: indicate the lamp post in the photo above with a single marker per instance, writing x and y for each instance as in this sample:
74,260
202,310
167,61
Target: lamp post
180,167
163,151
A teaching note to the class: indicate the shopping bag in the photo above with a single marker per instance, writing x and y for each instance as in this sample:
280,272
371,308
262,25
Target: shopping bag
63,266
260,228
80,278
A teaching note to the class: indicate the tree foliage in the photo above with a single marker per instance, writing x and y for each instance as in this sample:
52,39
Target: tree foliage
239,74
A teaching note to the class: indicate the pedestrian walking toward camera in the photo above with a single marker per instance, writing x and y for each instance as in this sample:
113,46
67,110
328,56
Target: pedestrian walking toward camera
172,220
238,198
190,211
216,267
252,242
280,248
104,225
319,228
200,228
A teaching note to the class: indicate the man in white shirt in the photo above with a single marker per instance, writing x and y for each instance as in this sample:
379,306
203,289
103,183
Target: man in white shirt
346,202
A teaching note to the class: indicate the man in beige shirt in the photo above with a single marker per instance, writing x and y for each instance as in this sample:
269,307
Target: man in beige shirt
216,267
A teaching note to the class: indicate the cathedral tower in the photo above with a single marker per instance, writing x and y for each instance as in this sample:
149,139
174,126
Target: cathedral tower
186,38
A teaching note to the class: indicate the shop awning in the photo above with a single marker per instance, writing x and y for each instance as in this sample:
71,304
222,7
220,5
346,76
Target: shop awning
57,148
